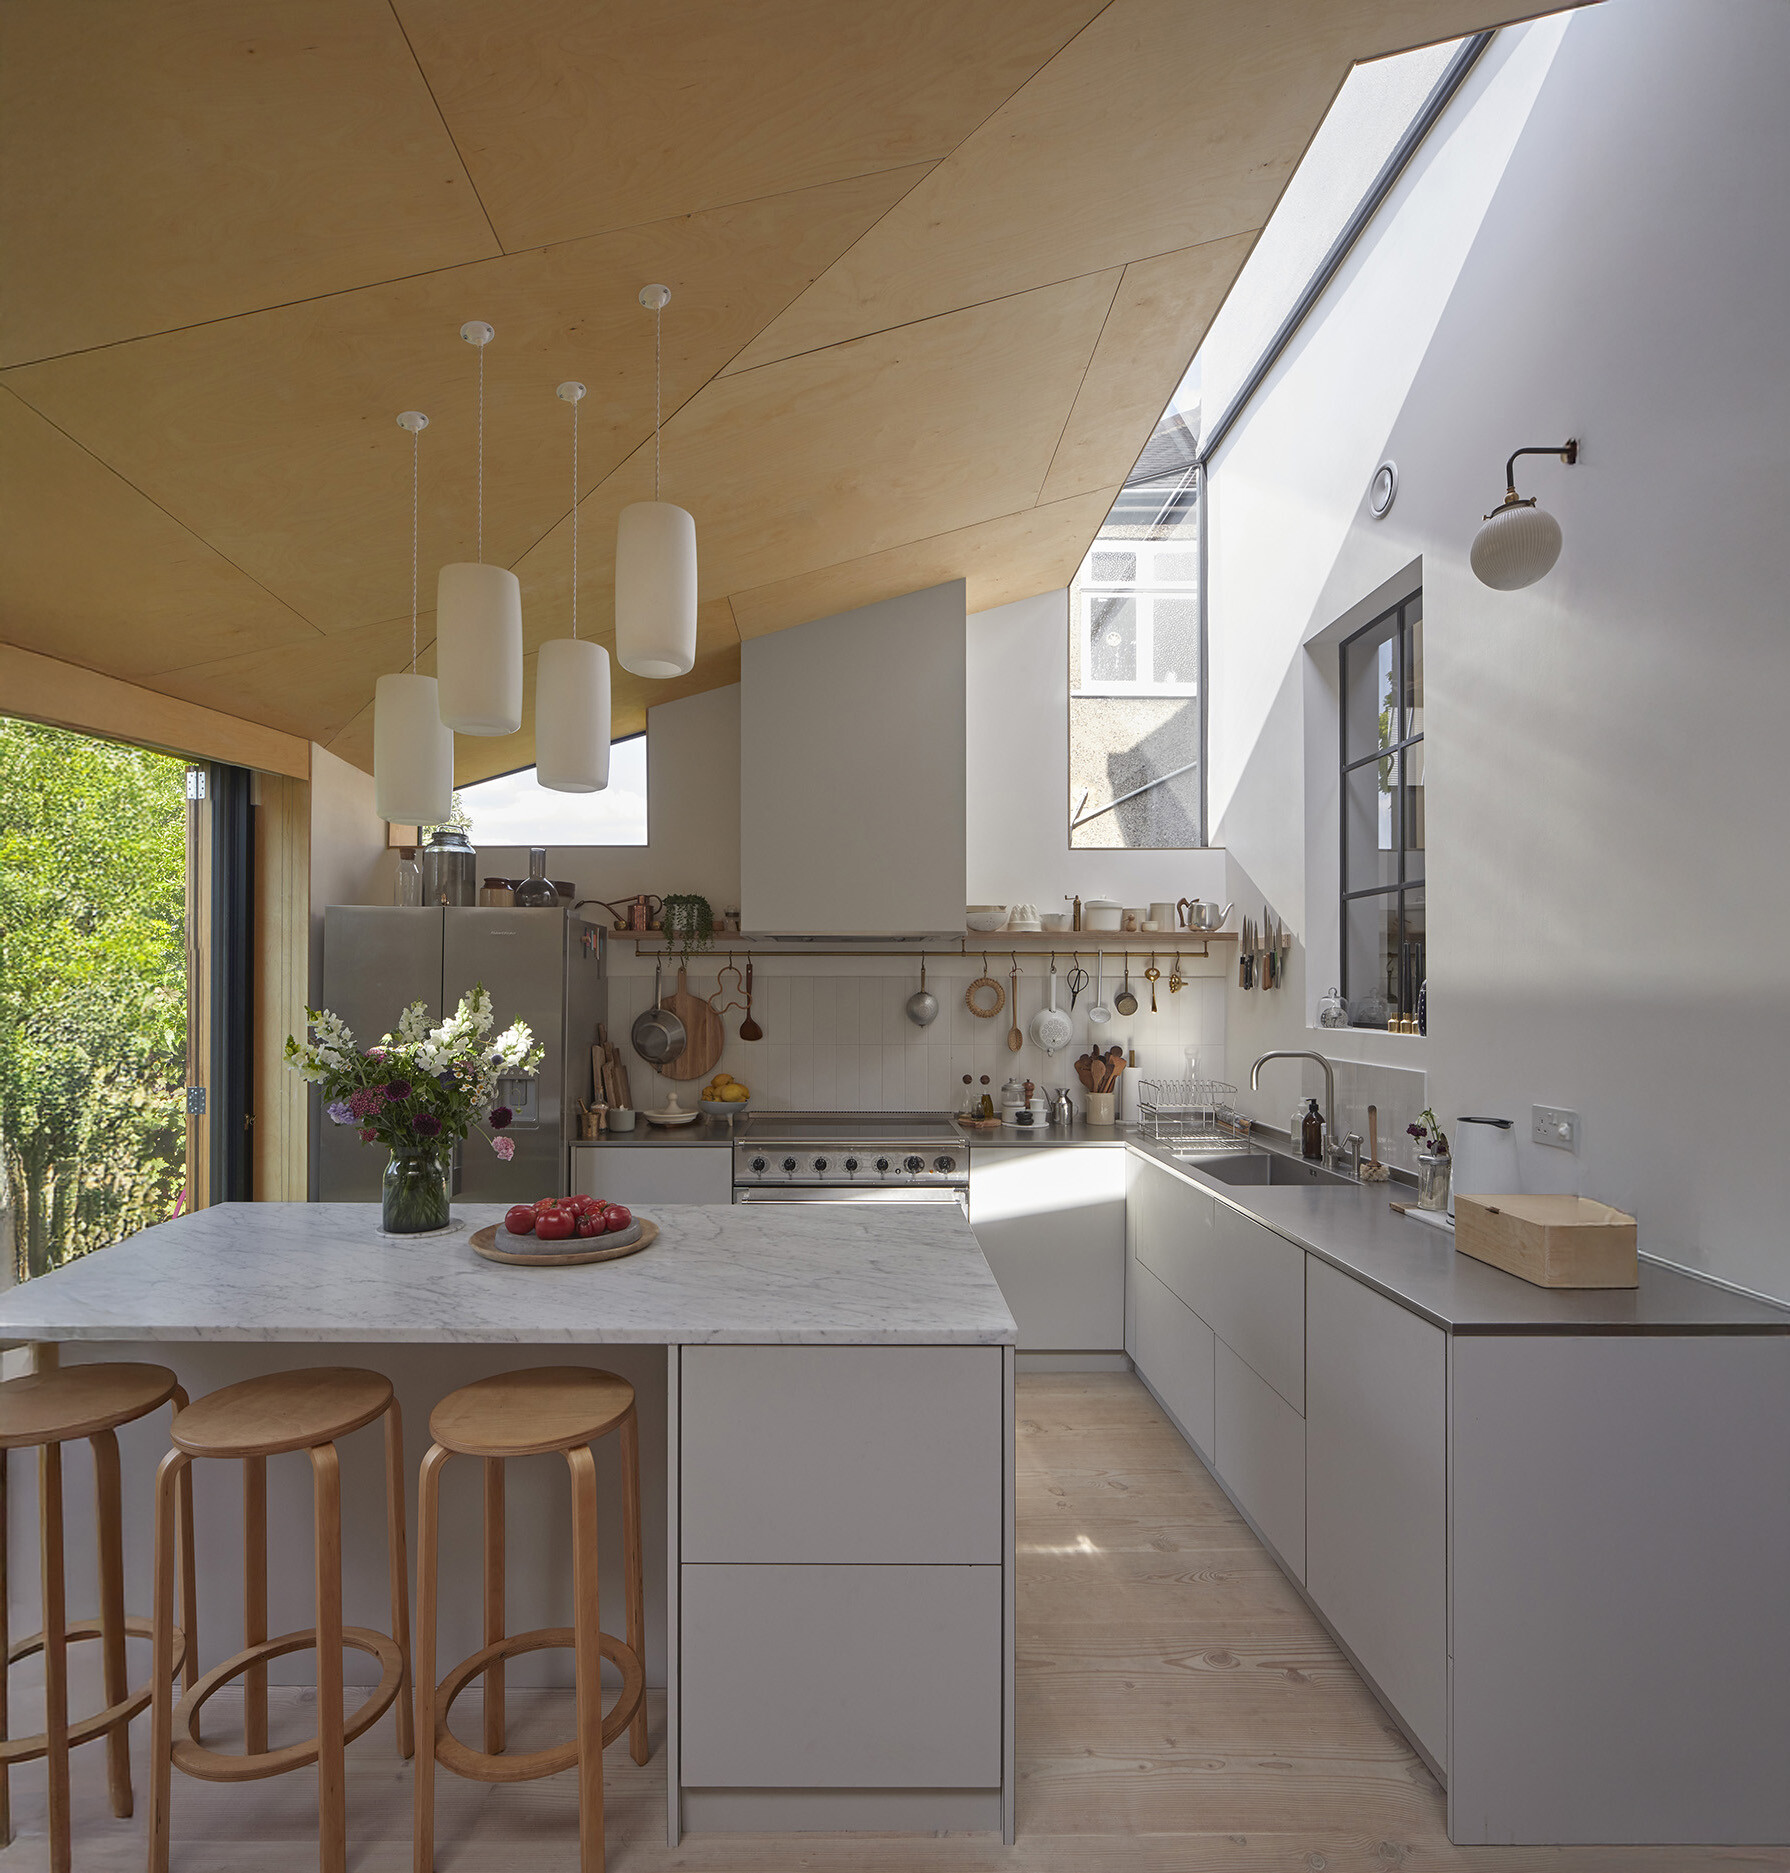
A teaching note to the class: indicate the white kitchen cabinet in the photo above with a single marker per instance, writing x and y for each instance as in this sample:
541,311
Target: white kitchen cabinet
1259,1454
1173,1235
1051,1221
841,1677
640,1175
1173,1350
1257,1306
842,1454
1376,1493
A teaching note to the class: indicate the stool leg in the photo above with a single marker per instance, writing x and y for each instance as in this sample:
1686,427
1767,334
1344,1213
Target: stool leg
588,1656
108,1509
399,1561
332,1816
494,1602
422,1665
175,1471
55,1628
254,1601
189,1586
631,1568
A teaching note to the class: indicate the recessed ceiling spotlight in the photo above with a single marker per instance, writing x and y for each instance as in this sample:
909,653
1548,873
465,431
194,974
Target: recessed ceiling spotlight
1382,491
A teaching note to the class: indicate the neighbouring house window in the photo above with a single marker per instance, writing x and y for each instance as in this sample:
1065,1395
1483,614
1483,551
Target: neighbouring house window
1134,659
1384,957
516,810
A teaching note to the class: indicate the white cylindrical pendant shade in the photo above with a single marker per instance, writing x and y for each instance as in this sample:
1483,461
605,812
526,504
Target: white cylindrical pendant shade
572,716
413,752
478,648
1515,547
655,589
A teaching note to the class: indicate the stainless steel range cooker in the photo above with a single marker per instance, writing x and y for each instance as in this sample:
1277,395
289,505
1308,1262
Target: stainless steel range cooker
850,1157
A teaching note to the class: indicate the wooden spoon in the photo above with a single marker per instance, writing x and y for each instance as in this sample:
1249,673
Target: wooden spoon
1015,1039
749,1029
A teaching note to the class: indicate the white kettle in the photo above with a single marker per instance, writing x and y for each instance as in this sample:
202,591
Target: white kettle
1485,1160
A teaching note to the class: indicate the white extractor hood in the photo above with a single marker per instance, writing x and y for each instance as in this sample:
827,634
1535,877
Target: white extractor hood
852,772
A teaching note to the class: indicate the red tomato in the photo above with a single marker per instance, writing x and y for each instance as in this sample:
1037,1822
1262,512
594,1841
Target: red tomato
586,1205
617,1216
589,1225
520,1221
553,1225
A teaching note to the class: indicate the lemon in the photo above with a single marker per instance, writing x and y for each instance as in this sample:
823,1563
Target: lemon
735,1094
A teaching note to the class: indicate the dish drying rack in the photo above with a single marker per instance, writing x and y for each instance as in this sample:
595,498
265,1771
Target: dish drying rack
1190,1116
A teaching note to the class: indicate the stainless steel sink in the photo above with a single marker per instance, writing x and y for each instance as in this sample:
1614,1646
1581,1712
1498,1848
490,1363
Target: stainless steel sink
1267,1167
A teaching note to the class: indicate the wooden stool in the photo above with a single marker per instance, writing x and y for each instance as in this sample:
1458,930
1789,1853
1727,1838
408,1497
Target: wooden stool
529,1414
49,1409
255,1420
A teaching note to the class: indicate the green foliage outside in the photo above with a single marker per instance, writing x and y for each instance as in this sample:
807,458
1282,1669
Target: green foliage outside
92,991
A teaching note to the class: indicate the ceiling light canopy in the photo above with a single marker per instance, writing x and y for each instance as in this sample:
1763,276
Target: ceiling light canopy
655,560
413,751
1520,541
478,617
572,681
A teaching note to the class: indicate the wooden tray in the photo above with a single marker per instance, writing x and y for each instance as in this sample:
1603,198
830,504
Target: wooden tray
1554,1242
643,1235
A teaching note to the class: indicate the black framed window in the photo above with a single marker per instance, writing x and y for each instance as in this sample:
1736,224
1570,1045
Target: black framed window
1384,957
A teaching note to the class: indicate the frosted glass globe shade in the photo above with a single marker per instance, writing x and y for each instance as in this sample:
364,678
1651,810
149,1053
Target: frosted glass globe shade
572,716
478,648
655,589
1515,547
413,752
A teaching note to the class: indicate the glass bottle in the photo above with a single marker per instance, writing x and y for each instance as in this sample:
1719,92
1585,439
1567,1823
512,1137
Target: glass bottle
407,889
537,891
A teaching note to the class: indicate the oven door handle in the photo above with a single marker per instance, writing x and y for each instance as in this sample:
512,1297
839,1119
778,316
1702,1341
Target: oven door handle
863,1193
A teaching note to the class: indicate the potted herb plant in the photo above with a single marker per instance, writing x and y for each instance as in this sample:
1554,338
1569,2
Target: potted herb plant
689,923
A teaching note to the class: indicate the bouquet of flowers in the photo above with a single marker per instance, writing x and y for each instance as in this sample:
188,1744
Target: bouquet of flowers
423,1088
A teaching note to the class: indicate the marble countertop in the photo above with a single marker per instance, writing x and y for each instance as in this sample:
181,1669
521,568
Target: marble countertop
746,1274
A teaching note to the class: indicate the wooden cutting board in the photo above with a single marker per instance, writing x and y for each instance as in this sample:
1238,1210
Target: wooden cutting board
702,1030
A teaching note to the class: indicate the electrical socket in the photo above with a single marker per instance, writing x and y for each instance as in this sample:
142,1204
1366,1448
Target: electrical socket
1555,1126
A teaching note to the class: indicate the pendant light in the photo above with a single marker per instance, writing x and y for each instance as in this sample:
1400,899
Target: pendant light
478,617
572,682
1519,542
413,751
655,561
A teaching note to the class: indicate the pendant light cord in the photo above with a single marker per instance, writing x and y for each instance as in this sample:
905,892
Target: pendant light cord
574,519
658,322
416,452
481,504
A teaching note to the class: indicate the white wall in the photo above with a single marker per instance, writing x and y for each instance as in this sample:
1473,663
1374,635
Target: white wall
1593,244
349,862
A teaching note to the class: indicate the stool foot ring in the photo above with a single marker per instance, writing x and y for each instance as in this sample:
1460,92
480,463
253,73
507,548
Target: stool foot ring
210,1765
475,1764
16,1749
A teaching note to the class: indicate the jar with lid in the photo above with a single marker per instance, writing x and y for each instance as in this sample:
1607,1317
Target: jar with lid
537,891
448,862
407,887
1333,1011
497,894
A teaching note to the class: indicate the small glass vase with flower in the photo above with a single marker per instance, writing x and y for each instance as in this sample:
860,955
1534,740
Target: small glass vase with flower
1434,1165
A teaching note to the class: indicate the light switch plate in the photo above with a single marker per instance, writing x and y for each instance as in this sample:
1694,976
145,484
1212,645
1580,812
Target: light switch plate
1554,1125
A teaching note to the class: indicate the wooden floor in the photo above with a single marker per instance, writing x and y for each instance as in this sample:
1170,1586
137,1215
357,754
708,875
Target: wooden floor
1179,1709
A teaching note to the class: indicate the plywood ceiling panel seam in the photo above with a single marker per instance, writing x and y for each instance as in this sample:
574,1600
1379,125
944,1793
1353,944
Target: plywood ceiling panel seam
1069,413
143,495
446,129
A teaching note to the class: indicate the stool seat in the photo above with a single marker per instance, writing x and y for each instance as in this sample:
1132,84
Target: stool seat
282,1411
70,1402
532,1412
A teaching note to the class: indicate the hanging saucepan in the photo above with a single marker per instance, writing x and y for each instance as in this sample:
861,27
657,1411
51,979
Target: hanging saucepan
659,1035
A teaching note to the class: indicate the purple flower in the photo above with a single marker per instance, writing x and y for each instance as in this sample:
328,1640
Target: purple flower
1416,1131
398,1089
501,1116
339,1112
366,1136
426,1125
504,1147
367,1100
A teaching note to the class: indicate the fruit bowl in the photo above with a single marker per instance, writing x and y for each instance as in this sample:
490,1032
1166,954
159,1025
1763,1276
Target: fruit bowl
725,1108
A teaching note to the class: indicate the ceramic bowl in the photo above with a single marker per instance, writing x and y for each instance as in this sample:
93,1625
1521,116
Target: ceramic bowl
726,1108
986,917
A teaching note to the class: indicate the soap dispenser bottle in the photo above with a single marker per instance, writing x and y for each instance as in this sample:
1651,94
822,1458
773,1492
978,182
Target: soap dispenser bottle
1312,1141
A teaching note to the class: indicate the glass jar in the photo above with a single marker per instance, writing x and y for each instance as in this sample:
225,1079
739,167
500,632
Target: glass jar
497,894
407,890
1333,1011
448,861
1433,1173
413,1196
537,891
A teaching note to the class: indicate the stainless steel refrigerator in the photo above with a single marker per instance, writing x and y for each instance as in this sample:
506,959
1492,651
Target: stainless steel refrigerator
544,967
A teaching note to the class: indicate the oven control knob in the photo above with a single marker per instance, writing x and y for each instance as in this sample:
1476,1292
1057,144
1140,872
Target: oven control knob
789,1164
916,1165
820,1164
851,1164
944,1164
882,1164
759,1166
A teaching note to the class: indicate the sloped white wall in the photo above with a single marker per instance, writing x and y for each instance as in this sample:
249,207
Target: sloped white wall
1594,244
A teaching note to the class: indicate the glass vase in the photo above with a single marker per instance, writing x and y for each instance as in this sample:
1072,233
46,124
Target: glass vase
414,1194
1432,1181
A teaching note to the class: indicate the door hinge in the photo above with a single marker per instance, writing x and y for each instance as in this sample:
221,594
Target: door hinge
195,1102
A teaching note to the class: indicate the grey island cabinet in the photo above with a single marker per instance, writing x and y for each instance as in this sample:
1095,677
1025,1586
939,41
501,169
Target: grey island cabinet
826,1407
1550,1529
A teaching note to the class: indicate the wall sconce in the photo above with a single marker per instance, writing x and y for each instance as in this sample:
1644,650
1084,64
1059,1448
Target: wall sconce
1519,542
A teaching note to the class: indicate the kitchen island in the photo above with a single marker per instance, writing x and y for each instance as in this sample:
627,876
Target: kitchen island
826,1403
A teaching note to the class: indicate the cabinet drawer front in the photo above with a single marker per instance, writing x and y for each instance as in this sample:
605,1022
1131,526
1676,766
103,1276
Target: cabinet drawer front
1174,1354
841,1677
1259,1307
1260,1449
841,1453
1173,1237
644,1174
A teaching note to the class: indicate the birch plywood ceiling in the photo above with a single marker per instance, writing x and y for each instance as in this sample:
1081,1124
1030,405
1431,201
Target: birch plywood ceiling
936,266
